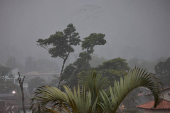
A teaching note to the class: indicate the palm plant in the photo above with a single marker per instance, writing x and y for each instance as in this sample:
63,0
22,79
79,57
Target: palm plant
94,95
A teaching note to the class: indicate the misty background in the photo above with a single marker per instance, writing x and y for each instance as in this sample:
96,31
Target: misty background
137,31
133,28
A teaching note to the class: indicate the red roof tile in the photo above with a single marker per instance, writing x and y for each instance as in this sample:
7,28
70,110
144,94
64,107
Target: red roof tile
164,104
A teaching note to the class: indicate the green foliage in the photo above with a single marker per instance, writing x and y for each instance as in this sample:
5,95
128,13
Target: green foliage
113,69
61,45
112,74
93,82
67,72
163,72
82,63
93,40
71,71
93,94
135,78
116,64
61,42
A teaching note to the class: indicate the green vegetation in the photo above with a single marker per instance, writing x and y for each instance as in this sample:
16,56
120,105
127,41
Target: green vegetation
163,72
113,69
61,45
94,93
84,91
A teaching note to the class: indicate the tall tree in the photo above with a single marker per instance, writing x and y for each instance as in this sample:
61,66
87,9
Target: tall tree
82,63
62,43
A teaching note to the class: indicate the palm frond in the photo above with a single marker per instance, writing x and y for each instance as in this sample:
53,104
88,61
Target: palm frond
135,78
94,95
93,82
79,101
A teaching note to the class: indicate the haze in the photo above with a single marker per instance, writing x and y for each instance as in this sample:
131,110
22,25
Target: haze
133,28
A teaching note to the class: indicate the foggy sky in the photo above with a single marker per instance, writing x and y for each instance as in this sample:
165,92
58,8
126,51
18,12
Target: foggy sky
132,28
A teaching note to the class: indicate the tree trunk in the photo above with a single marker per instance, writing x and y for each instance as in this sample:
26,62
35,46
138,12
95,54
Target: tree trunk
62,70
22,91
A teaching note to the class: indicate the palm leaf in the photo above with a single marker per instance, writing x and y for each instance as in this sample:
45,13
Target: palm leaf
135,78
94,95
79,101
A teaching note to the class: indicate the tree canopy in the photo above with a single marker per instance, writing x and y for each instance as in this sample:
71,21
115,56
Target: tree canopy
62,42
93,40
82,63
61,45
113,69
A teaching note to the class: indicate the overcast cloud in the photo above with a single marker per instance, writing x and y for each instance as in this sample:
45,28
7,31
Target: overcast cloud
133,28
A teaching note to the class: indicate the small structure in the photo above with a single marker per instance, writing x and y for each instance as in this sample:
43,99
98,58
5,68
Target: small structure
162,107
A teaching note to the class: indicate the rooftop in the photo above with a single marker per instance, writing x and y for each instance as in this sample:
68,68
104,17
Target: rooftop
160,90
164,104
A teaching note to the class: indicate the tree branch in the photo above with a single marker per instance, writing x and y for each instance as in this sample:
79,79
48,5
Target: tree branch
62,69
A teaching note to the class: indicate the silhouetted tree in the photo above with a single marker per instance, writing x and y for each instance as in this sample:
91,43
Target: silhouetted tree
62,43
